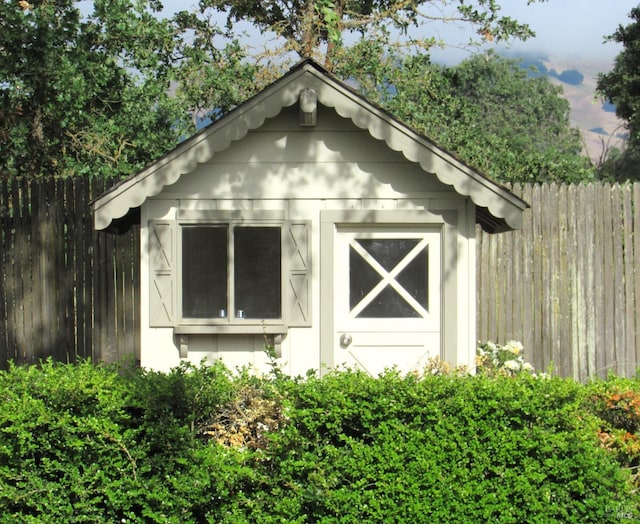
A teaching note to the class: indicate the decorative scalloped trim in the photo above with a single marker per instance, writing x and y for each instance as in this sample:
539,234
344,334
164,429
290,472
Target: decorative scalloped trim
171,168
269,104
424,156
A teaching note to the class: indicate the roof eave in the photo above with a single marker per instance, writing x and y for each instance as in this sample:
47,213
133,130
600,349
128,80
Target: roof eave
503,208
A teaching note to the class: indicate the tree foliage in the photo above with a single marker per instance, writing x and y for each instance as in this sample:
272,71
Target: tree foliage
90,94
319,27
621,86
506,121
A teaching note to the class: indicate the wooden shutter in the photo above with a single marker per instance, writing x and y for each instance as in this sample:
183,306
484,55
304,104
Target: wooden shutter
297,294
162,273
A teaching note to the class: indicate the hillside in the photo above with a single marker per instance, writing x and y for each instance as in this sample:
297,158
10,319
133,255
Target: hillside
597,121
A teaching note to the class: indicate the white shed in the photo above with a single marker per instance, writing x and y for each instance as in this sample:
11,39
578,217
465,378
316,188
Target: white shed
313,220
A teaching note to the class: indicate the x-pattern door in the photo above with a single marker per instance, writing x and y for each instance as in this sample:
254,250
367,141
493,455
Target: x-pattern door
387,296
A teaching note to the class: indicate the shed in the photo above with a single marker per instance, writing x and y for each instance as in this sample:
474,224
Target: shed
310,219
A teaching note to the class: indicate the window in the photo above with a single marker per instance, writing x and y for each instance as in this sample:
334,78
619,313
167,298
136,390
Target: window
388,277
231,272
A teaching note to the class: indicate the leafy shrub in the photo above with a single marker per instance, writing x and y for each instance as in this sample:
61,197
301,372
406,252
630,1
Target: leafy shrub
89,443
61,445
86,443
436,449
616,401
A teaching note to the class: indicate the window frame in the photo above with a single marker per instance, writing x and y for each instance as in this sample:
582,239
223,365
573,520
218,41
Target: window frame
230,219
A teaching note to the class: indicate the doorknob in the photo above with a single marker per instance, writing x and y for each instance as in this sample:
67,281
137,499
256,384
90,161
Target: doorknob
345,340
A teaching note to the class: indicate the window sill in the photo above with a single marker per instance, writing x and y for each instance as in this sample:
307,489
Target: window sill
274,332
231,329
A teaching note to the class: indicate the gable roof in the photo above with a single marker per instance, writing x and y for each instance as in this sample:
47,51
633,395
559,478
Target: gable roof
497,209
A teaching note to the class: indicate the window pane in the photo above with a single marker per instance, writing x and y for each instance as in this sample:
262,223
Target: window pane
414,278
363,278
204,271
388,304
257,278
388,252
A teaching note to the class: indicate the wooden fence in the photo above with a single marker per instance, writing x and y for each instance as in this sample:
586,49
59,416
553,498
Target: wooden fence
566,285
65,291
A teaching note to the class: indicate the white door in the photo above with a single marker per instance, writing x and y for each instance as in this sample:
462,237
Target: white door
386,297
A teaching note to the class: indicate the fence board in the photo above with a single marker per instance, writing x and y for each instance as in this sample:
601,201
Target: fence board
628,273
602,356
526,280
14,260
575,296
85,270
549,231
4,261
584,323
589,262
608,270
537,356
619,315
41,253
22,272
636,274
484,296
563,280
67,299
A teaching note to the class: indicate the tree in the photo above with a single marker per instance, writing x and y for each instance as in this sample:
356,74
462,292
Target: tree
621,86
106,92
90,94
317,28
502,119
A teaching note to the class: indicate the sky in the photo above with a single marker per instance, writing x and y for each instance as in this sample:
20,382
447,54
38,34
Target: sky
571,29
566,29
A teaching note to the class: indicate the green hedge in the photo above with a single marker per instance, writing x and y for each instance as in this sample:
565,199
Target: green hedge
87,443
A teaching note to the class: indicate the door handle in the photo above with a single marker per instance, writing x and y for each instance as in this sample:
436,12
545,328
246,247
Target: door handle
345,340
